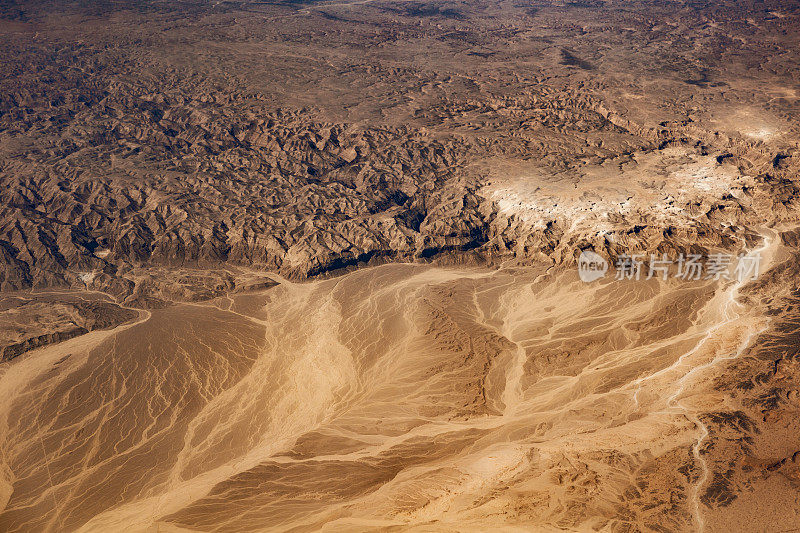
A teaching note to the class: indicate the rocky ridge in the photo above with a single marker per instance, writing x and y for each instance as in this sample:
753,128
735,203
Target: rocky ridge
124,151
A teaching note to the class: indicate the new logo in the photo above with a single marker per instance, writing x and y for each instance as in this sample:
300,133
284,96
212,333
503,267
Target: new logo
591,266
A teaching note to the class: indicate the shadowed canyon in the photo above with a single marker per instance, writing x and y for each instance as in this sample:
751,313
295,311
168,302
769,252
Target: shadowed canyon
316,266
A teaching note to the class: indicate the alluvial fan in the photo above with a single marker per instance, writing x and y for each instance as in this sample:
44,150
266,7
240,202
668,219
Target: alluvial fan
399,266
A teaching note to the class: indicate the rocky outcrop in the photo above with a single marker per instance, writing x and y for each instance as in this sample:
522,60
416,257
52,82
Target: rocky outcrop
33,322
13,350
123,151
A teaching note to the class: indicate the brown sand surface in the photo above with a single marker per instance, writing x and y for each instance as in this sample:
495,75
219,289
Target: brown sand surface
401,395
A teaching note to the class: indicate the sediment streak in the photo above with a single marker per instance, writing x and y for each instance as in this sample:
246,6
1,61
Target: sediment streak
391,396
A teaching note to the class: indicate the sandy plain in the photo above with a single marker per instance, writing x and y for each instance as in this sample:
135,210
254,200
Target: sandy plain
411,396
